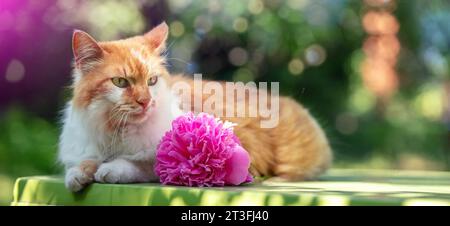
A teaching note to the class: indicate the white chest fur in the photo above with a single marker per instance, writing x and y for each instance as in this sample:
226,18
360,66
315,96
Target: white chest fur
84,135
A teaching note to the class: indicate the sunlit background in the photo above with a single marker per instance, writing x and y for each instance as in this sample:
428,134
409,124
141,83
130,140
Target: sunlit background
375,73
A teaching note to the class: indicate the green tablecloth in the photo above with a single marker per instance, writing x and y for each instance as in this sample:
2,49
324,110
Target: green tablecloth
337,187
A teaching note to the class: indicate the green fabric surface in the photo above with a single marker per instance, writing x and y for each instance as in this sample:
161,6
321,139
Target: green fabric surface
337,187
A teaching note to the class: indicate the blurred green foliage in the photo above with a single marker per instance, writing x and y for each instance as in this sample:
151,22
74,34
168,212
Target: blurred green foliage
27,147
28,144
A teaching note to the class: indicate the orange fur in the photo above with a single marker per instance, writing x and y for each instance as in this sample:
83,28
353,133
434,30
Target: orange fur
296,149
116,60
89,167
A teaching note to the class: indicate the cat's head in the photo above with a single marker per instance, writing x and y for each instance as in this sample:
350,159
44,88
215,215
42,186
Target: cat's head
120,79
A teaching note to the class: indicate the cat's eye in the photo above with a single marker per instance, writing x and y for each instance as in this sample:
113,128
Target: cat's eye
152,81
120,82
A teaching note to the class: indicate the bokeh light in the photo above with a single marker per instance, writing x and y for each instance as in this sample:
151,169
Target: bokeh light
346,123
176,29
315,55
15,71
240,24
296,66
203,24
255,6
381,48
380,23
238,56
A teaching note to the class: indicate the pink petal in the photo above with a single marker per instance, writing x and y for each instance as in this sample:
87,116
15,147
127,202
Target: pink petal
237,166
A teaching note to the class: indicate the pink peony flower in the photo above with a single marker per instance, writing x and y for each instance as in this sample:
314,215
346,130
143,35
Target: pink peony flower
201,151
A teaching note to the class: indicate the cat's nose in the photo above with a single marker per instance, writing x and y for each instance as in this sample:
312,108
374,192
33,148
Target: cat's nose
143,102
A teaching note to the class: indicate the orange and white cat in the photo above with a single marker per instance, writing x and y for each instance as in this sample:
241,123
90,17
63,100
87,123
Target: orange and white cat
123,103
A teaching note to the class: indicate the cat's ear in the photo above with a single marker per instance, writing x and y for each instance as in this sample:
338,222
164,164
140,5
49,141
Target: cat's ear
86,51
156,38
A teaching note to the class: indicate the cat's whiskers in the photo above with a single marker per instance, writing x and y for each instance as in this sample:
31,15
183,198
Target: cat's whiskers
125,123
117,129
115,111
179,60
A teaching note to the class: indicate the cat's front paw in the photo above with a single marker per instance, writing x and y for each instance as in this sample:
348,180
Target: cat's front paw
76,179
109,173
123,171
